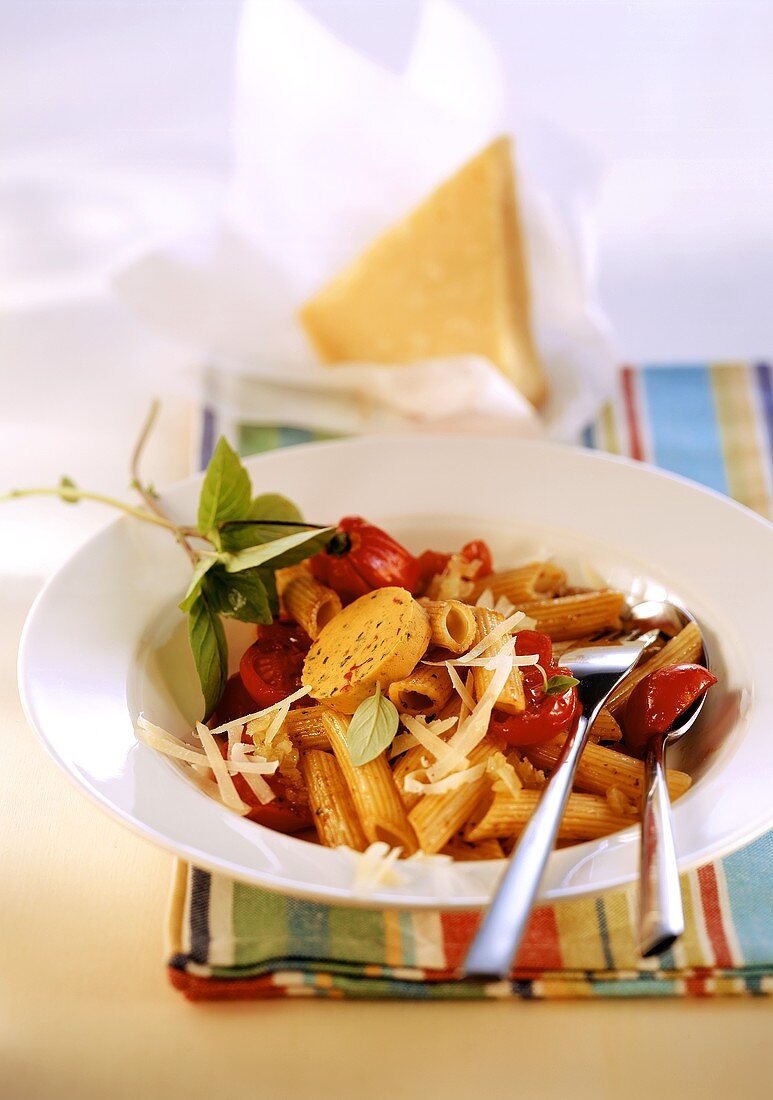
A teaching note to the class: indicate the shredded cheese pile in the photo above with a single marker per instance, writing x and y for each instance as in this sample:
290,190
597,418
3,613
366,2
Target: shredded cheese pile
213,772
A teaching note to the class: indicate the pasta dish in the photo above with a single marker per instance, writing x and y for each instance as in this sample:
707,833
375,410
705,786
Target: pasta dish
420,702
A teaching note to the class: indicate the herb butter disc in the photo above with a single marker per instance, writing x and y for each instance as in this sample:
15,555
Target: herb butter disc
377,639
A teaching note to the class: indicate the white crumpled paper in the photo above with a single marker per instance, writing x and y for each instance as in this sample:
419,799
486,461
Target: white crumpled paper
329,150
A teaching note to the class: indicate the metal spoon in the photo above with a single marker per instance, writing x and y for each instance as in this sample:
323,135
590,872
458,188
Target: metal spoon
599,670
661,914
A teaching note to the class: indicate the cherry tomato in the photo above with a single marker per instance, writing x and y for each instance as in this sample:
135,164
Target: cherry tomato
288,811
657,701
271,668
545,715
236,701
361,557
432,562
478,550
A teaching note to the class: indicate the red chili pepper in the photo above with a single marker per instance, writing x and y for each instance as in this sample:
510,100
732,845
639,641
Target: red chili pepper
545,715
361,557
658,700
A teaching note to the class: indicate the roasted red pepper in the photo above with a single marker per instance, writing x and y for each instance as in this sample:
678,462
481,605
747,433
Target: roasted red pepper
660,698
361,557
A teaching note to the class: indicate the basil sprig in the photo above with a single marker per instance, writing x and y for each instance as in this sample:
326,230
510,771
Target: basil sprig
372,728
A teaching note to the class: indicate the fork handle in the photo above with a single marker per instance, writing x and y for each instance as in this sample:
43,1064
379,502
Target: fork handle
501,931
661,915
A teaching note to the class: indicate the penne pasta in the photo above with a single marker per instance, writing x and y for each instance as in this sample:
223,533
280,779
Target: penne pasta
512,698
331,802
524,584
437,817
452,624
464,850
572,616
685,648
311,604
306,728
425,691
600,768
373,789
587,816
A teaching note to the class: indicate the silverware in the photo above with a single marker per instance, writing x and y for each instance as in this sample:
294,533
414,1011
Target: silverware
599,670
661,914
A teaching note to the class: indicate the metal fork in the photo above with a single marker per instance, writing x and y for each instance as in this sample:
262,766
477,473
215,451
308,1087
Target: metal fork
599,670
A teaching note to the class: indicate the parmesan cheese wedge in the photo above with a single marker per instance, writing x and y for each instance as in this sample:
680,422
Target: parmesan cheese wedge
450,279
379,638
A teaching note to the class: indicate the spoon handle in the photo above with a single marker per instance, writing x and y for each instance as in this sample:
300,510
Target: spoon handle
499,936
661,916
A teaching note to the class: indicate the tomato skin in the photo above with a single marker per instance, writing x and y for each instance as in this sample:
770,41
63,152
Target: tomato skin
658,700
430,563
288,812
271,668
545,716
478,550
361,557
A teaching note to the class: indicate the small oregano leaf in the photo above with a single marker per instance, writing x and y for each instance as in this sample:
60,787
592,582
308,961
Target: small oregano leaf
559,685
226,492
372,728
210,651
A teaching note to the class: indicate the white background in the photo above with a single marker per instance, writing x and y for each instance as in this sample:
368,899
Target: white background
116,132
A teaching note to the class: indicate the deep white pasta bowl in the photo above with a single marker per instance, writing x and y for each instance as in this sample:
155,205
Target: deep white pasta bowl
105,641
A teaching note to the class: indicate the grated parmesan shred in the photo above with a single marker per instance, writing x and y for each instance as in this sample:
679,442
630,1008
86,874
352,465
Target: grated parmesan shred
415,784
228,792
375,867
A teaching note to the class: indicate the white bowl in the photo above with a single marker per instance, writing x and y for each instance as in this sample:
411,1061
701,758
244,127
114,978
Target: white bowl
104,641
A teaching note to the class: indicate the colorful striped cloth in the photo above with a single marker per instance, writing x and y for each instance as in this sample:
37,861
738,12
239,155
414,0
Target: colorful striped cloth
232,941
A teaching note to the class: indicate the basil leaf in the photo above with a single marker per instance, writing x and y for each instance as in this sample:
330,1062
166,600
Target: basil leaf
268,577
203,566
243,534
372,728
240,596
210,651
558,685
288,550
273,506
226,491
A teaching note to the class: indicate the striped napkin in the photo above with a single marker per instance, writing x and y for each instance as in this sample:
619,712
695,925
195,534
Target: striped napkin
231,941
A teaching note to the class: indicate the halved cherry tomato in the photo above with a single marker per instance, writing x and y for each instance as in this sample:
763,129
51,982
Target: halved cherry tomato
361,557
658,699
430,563
545,715
235,702
271,668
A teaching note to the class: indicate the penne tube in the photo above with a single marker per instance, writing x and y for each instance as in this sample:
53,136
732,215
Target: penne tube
511,698
373,789
335,816
685,648
572,616
452,624
524,584
306,728
310,603
437,817
605,728
600,768
425,691
587,817
288,574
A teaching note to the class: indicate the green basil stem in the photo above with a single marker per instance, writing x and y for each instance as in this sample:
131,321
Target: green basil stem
72,496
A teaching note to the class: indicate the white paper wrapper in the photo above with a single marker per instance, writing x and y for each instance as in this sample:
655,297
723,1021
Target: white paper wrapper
329,150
